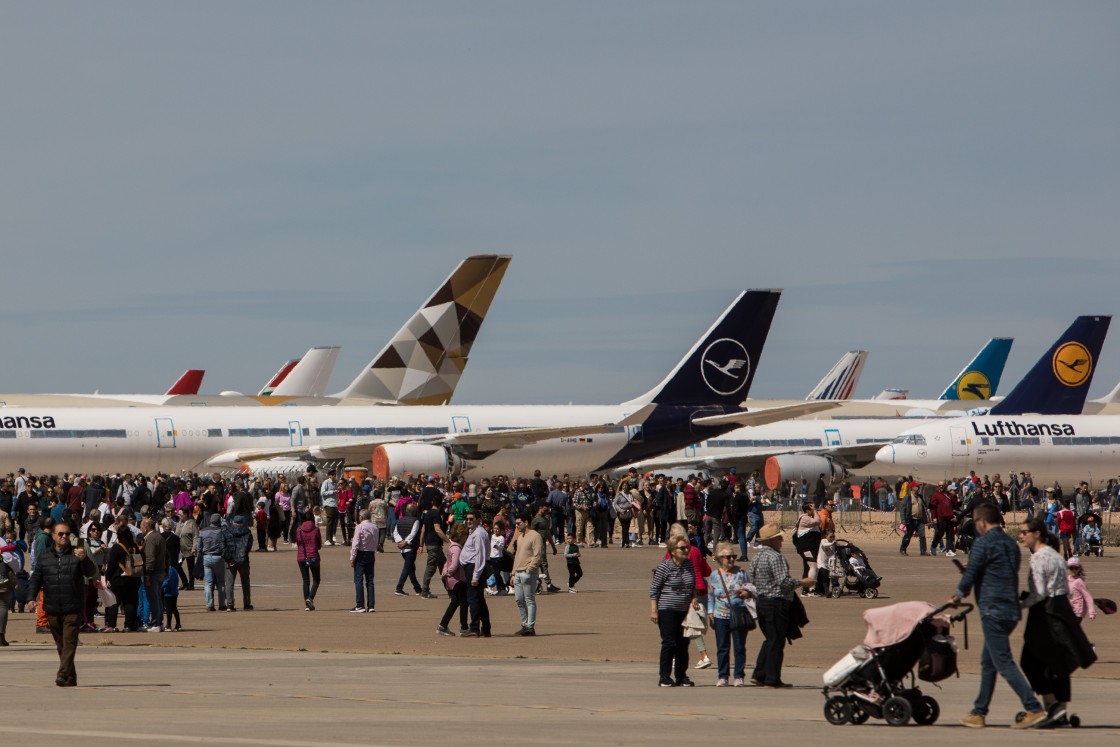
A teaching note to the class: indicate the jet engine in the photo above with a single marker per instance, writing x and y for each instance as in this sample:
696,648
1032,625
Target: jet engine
397,459
781,469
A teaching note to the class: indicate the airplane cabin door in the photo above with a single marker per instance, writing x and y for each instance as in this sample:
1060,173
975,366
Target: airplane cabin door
460,424
295,433
165,433
958,440
832,437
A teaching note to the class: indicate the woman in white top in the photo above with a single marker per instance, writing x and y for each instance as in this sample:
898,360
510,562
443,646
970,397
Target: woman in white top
1051,649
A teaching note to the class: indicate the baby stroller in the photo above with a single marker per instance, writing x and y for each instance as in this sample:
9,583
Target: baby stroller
870,677
858,575
966,535
1089,527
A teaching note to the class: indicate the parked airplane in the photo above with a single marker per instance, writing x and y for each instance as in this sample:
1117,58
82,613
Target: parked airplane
421,364
700,397
840,383
188,383
833,444
1051,441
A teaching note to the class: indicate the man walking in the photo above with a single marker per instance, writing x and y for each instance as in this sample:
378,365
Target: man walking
432,539
328,492
770,573
155,572
363,549
993,568
476,551
239,541
528,552
60,572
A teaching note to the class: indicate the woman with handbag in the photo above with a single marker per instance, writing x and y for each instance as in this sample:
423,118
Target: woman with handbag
124,579
308,544
672,593
729,588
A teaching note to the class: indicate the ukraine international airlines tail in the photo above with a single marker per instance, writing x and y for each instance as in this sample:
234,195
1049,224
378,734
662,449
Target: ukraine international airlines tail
1053,441
700,397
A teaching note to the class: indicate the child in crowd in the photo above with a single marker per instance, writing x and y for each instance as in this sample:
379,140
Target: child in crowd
497,559
261,520
829,571
575,570
170,591
1079,597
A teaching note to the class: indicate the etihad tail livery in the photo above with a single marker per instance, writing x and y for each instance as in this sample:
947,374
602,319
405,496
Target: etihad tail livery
699,398
1038,427
422,364
979,380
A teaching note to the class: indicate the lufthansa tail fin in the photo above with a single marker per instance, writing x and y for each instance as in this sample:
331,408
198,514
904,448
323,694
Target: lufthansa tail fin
718,370
840,382
422,364
980,378
309,377
188,383
1059,382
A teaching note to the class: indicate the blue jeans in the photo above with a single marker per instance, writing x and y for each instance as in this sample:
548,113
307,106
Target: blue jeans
363,579
996,657
756,527
215,574
741,533
525,592
154,592
725,639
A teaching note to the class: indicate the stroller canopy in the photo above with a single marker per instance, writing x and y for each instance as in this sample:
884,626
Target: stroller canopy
889,625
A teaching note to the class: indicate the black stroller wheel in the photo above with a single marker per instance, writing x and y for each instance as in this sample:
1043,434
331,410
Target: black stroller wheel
897,711
926,711
1074,720
837,710
836,592
859,713
870,593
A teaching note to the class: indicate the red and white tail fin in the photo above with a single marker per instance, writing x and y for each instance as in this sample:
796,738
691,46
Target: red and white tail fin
278,377
188,383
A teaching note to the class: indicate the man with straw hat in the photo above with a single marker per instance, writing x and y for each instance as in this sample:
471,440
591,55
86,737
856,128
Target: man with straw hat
770,575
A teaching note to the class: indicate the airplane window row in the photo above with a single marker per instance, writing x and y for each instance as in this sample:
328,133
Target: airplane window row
910,439
765,442
430,431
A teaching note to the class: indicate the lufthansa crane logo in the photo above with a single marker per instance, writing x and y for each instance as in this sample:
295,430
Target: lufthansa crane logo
974,385
1073,364
725,366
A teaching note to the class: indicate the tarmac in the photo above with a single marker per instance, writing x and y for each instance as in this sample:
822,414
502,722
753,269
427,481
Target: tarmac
282,676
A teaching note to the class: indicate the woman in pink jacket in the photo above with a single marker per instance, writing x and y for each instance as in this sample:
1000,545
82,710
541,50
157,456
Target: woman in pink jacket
455,580
1079,597
308,543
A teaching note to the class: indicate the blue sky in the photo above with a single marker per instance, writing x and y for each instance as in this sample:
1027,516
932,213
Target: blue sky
223,185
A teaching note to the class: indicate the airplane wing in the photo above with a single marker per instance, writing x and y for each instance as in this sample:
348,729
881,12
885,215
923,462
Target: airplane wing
768,414
481,441
749,459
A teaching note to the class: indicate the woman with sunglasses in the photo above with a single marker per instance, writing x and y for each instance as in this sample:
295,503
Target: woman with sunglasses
671,593
729,588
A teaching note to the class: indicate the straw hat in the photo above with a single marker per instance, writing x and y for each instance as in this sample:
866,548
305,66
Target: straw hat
769,532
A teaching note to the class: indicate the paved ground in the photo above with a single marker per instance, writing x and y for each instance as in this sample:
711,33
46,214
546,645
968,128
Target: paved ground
285,676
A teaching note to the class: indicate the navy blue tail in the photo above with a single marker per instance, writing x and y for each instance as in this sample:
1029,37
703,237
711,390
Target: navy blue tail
720,367
1059,383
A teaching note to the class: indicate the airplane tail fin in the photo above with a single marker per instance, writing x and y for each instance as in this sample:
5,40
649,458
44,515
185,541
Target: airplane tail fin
188,383
1059,382
309,377
422,364
840,382
719,369
277,377
1111,398
980,378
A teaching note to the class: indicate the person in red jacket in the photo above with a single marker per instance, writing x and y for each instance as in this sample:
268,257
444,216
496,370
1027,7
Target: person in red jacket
941,513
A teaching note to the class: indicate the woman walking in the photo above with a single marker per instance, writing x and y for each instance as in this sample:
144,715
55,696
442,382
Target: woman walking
455,581
123,581
283,500
308,544
807,540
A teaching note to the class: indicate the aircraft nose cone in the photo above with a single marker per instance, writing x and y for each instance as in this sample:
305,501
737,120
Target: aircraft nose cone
885,455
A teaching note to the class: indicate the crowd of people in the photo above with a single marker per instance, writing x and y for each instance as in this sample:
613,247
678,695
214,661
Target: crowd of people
128,544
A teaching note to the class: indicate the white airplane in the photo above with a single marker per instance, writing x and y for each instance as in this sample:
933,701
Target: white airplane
831,443
421,364
841,381
473,440
1049,443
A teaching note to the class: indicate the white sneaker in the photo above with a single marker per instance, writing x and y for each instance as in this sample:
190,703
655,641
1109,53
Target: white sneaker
704,663
950,554
661,544
571,590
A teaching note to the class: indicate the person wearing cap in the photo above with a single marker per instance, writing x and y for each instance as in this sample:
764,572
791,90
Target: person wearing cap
239,543
212,545
775,587
1079,597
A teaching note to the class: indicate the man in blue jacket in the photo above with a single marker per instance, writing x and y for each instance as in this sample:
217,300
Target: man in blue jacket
993,569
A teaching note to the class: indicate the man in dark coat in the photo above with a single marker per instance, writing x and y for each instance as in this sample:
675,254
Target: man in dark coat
61,571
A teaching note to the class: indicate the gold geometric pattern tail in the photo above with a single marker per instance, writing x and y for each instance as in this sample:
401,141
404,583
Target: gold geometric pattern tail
422,364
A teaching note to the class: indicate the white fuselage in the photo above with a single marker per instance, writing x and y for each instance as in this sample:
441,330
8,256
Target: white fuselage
169,439
1066,448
